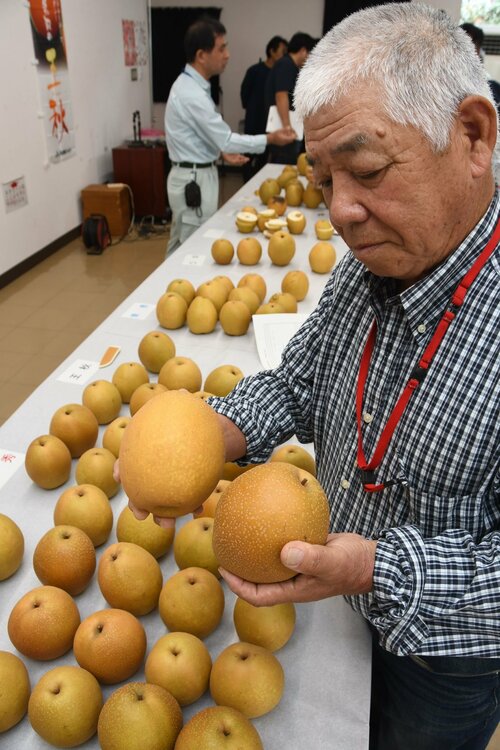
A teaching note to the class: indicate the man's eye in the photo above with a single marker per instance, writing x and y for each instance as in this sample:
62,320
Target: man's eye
370,175
323,184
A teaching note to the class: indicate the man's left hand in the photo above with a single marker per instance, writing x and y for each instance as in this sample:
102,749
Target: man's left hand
236,160
343,566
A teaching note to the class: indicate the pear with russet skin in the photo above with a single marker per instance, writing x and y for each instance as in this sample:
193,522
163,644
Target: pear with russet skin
296,283
256,282
103,398
249,251
202,315
235,318
222,379
113,434
180,372
268,189
286,300
183,287
129,376
96,467
322,257
11,547
143,393
48,462
222,251
76,426
246,295
281,248
171,310
154,350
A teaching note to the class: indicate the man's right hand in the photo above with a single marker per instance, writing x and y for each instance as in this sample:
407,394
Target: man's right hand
282,137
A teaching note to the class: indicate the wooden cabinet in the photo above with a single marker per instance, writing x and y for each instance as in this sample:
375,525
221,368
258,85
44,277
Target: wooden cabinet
144,169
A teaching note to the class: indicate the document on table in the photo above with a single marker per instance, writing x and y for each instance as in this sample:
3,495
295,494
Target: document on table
272,334
274,122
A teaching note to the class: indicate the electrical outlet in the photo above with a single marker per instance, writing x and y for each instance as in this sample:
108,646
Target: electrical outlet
14,194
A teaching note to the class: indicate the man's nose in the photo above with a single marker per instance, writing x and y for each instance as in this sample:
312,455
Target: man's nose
345,204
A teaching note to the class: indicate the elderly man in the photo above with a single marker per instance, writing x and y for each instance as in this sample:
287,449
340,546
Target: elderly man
395,376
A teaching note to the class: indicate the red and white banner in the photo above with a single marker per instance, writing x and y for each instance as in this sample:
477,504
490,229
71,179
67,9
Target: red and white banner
50,53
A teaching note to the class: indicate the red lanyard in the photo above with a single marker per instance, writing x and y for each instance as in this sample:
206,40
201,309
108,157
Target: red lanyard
368,468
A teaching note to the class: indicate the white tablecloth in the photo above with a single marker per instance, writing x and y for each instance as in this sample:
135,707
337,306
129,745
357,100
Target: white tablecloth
327,661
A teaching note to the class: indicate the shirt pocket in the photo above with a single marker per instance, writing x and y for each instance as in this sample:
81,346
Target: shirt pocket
434,514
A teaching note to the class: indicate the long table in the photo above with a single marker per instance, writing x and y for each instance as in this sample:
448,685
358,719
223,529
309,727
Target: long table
327,661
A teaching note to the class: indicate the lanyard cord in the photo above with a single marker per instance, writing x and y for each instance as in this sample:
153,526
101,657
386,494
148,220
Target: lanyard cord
418,374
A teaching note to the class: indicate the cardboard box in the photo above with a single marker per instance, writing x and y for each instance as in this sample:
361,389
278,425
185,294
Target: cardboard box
113,201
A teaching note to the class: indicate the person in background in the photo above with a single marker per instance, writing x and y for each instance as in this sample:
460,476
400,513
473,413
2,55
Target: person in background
253,98
279,90
196,134
477,36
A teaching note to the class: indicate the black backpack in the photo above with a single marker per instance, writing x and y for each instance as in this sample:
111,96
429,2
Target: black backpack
95,234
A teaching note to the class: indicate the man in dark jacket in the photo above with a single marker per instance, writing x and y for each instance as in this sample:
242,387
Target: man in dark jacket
253,99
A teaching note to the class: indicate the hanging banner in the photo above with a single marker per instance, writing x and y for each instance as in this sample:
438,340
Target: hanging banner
50,54
135,42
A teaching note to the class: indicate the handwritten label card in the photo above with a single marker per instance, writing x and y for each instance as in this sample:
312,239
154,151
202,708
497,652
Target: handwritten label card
10,461
81,371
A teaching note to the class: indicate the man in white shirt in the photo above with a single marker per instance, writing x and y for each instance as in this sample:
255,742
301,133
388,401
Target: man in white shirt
196,134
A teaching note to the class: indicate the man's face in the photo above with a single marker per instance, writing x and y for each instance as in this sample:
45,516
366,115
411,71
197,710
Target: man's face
216,60
277,54
398,206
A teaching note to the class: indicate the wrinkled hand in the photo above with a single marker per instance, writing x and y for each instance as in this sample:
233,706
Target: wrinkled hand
282,137
343,566
235,159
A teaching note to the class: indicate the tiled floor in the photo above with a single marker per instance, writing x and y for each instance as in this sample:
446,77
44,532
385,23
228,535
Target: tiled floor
46,313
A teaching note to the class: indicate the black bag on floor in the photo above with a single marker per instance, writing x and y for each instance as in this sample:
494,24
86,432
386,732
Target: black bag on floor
95,234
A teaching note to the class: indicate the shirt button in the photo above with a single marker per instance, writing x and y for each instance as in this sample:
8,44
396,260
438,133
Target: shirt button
367,417
422,328
345,484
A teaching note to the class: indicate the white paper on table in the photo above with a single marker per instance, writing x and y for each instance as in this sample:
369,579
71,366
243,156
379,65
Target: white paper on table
214,234
79,372
272,334
193,260
274,122
10,461
139,311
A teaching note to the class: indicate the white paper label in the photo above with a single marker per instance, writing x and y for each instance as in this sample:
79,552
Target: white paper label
193,260
139,311
10,461
81,371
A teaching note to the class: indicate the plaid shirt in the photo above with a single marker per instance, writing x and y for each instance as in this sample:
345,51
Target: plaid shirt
437,569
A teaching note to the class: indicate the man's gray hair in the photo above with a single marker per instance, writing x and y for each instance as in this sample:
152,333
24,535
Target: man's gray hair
424,64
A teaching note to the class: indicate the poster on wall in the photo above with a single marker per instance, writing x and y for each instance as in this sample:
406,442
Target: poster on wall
135,42
53,80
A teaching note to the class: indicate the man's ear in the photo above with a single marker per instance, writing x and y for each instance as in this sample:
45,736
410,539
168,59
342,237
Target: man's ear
477,118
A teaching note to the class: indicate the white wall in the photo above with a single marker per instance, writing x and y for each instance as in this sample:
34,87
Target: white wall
452,7
250,25
103,98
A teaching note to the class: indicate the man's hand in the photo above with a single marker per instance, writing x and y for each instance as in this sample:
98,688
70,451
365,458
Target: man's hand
236,160
141,515
282,137
343,566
